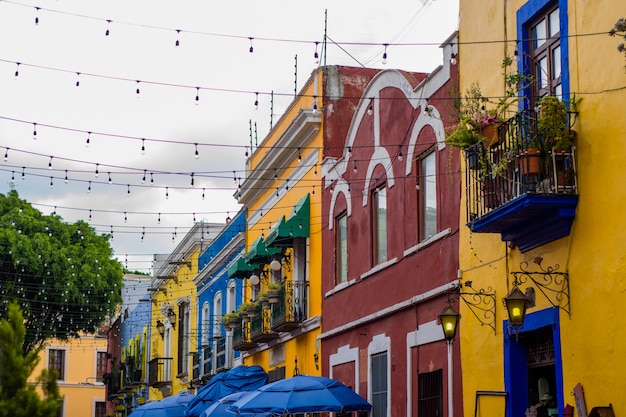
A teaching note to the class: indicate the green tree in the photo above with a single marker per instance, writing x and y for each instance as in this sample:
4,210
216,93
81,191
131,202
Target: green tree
17,397
63,275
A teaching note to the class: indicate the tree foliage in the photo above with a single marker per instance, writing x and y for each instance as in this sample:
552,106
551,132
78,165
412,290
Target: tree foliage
17,398
63,275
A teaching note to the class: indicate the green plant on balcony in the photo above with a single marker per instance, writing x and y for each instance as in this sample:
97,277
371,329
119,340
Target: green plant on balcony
553,123
231,320
273,290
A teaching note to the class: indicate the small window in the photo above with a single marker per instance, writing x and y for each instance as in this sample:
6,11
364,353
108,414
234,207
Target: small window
428,196
341,248
101,365
545,54
430,393
379,385
56,362
100,409
379,213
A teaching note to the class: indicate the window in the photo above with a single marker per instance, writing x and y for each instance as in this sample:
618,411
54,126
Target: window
545,54
183,338
430,393
341,248
101,365
379,385
380,225
56,362
428,196
100,409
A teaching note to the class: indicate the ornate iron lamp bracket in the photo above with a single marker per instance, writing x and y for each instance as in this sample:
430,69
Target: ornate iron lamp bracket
481,302
552,283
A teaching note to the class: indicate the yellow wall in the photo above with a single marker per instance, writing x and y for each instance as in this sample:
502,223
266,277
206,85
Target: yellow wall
175,291
592,337
302,347
80,388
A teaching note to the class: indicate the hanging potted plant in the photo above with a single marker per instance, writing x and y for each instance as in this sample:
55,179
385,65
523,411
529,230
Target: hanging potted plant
273,292
263,300
231,320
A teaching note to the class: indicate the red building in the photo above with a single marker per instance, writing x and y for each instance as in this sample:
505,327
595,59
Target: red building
390,244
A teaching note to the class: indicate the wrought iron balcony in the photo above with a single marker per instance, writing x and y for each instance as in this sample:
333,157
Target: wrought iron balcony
241,338
260,330
159,372
292,307
520,187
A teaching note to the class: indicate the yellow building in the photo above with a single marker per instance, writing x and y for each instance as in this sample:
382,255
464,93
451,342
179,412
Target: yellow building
282,196
80,364
547,234
173,339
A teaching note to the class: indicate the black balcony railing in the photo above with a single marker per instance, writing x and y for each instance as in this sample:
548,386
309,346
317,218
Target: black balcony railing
159,373
521,179
292,307
260,329
241,337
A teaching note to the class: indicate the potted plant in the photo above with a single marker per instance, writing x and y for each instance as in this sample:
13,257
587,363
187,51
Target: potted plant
553,122
273,292
231,320
263,300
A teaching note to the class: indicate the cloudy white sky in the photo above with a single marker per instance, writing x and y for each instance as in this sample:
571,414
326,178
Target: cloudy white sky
69,45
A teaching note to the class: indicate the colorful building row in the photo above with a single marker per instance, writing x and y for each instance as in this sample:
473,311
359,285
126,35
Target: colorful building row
368,222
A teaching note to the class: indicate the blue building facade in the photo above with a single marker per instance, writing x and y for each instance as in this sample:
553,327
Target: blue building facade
217,295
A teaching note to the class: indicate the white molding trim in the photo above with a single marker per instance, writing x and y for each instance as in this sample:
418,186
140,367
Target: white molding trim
427,242
426,333
416,299
346,354
379,268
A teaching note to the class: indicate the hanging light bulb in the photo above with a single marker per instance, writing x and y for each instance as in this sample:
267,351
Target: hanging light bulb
384,60
453,59
88,140
23,173
34,131
128,190
370,108
66,179
110,182
17,71
177,36
97,173
192,179
400,153
137,91
143,180
256,101
50,163
37,15
251,47
6,155
354,169
196,153
89,189
197,96
143,146
316,56
77,80
51,183
107,32
167,193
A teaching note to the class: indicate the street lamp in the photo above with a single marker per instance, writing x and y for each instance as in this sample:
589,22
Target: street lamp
516,303
449,319
161,328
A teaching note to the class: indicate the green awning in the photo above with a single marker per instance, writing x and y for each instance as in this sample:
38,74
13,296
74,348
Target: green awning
259,252
283,231
241,269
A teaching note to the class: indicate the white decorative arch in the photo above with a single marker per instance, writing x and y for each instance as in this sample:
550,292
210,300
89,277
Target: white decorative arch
343,188
380,157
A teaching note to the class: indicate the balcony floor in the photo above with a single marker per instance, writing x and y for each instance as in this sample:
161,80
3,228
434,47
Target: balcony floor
530,220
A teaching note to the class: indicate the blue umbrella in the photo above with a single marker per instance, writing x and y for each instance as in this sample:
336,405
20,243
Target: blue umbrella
240,378
301,394
218,408
173,406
